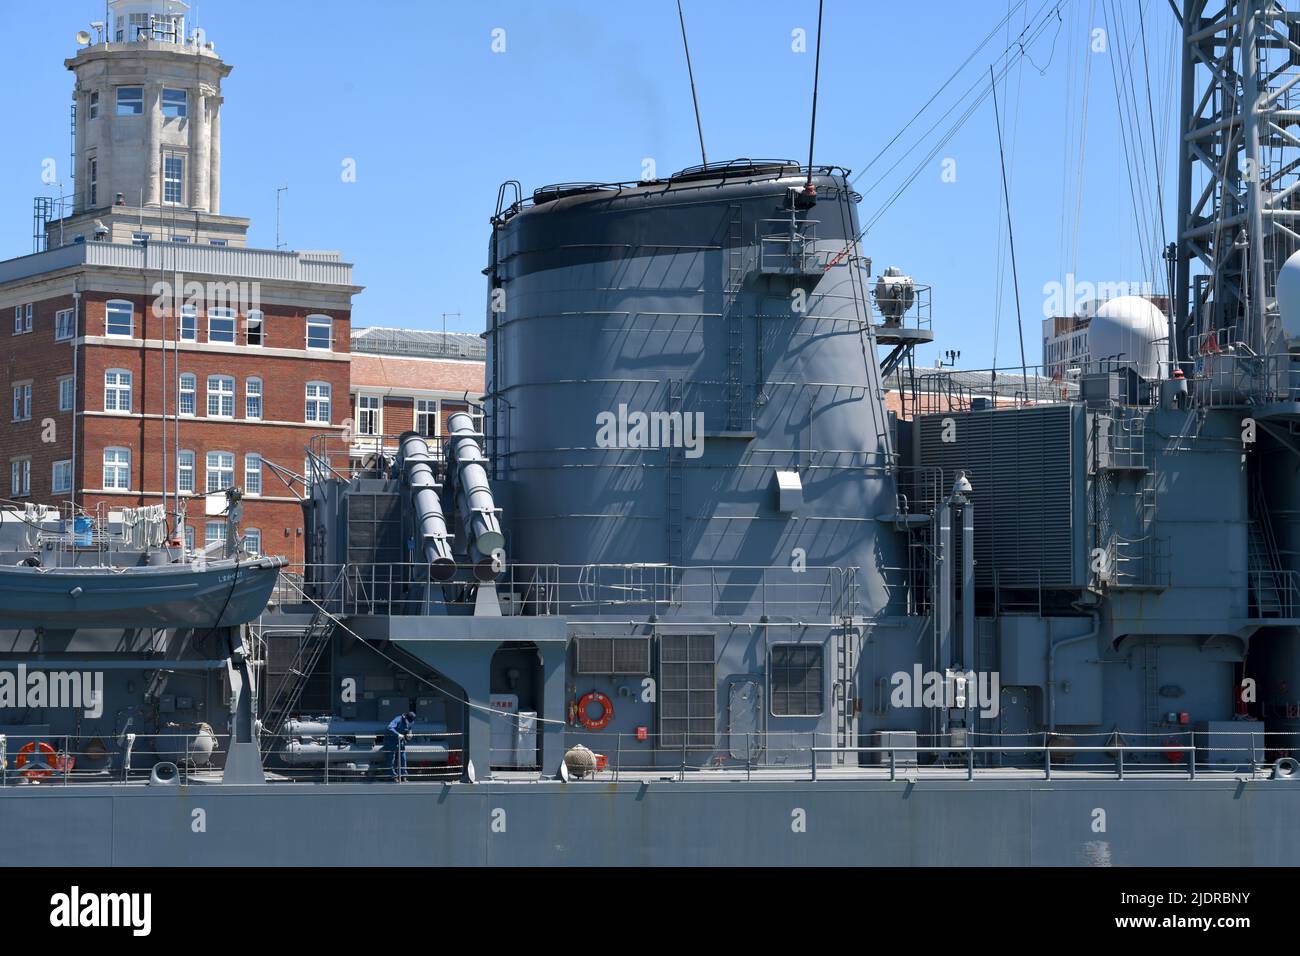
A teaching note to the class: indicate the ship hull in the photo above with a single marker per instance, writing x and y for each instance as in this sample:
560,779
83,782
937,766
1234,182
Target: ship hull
660,823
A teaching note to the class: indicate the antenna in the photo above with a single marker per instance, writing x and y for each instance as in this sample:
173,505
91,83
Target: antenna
817,69
691,73
1006,199
282,189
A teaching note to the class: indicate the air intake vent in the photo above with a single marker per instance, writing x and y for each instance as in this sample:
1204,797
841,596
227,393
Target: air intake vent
612,655
1025,466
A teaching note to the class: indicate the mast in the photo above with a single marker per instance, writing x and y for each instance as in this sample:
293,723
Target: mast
1238,218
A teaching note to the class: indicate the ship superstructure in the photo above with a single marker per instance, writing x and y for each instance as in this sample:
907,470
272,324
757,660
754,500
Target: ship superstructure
686,590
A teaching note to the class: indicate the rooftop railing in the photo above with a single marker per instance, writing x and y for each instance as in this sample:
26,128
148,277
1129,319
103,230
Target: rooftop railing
222,262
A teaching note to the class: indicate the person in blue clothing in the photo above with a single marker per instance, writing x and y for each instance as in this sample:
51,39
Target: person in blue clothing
395,737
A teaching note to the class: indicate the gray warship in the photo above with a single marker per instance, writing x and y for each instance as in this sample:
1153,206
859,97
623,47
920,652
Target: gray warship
688,590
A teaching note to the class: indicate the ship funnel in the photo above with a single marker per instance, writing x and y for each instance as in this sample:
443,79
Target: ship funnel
415,466
477,508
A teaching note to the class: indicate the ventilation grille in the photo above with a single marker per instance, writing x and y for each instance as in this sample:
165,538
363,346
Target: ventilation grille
1020,463
688,692
612,655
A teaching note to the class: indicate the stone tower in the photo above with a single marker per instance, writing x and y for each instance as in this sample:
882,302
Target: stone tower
148,132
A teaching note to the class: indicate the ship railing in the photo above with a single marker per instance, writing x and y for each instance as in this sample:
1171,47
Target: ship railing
1138,563
788,246
340,755
589,589
917,315
1275,593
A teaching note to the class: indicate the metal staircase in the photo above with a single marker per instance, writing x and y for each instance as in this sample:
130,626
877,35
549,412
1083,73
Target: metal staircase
1267,588
314,640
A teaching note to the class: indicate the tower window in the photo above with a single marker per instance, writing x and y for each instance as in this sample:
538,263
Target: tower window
94,105
93,198
130,100
175,103
173,175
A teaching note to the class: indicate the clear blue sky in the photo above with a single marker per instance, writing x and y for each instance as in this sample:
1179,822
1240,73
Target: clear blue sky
435,121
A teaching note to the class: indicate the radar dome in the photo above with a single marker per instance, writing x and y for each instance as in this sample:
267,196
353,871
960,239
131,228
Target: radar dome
1129,330
1288,299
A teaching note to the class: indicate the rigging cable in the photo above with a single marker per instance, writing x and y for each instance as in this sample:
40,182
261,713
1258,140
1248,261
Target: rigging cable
817,69
691,73
1011,236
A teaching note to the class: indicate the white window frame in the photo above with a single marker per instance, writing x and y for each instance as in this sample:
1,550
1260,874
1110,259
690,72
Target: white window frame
374,415
93,105
58,487
20,477
188,387
22,401
187,330
320,400
170,180
18,320
65,325
213,531
109,309
30,312
118,382
256,535
222,315
255,317
185,468
435,413
253,399
217,471
317,321
67,393
118,466
253,474
221,395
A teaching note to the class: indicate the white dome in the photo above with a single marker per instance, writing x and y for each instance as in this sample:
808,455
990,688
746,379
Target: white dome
1288,298
1130,330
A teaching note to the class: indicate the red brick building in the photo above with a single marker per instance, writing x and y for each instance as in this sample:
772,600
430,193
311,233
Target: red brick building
407,379
149,354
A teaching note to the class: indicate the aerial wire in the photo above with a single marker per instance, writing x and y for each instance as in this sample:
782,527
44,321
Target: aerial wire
1011,237
817,69
691,73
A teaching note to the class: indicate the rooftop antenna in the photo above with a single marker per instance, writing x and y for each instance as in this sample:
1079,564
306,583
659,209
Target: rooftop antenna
691,73
817,68
278,243
1006,199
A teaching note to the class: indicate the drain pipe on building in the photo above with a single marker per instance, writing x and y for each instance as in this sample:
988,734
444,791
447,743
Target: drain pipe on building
1052,648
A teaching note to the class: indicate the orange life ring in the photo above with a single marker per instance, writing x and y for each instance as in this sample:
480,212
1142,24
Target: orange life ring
606,710
49,758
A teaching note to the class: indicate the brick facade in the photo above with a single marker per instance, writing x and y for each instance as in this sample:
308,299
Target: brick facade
281,435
